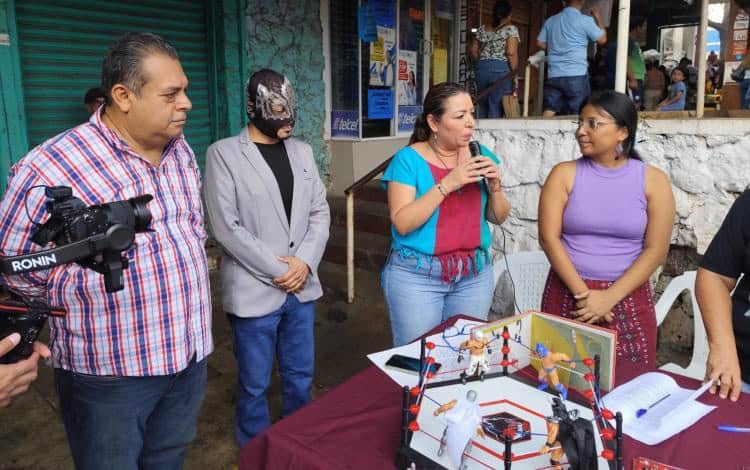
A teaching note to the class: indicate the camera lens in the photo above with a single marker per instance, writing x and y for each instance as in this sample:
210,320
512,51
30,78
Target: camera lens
140,212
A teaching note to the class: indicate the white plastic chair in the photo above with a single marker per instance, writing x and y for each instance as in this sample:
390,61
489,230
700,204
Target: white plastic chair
529,270
697,367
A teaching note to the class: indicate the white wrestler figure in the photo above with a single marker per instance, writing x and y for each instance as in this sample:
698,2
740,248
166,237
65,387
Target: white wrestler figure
478,363
463,418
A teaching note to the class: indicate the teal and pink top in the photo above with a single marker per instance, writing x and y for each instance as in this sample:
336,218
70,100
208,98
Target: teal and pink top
457,233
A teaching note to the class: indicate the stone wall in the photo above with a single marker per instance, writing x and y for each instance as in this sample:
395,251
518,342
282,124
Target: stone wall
287,36
708,162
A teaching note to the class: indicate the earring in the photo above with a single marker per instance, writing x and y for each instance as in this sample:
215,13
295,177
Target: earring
619,150
434,137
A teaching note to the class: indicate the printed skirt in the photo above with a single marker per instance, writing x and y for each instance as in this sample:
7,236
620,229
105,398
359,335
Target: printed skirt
634,321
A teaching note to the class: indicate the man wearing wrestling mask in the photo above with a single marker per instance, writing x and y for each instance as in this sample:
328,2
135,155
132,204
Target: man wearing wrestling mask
267,208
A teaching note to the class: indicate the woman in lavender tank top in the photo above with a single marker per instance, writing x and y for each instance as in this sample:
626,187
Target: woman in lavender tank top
605,222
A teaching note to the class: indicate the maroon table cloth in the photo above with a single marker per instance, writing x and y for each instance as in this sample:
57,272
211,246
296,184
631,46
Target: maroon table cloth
357,425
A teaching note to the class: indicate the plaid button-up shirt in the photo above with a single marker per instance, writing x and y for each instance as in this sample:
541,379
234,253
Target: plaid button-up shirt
162,317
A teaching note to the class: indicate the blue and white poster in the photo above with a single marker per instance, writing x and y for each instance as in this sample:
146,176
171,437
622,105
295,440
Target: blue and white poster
345,124
380,103
407,78
383,57
407,116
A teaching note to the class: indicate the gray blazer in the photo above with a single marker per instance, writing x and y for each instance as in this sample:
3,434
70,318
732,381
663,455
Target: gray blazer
246,216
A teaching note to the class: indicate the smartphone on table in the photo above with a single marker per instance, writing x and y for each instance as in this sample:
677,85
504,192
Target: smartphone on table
409,365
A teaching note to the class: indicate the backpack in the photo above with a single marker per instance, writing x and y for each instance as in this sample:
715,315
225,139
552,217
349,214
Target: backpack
738,74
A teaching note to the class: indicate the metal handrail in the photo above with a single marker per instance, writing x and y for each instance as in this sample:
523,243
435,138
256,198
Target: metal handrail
368,177
349,192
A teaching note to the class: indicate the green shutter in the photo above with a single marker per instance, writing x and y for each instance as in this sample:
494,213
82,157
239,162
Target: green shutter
62,44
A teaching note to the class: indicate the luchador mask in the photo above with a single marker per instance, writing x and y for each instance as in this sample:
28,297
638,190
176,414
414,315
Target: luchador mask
271,103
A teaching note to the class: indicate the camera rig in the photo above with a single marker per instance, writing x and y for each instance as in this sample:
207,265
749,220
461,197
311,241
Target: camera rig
92,236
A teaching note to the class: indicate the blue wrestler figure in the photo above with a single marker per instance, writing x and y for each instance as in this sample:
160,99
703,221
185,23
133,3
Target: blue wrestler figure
548,369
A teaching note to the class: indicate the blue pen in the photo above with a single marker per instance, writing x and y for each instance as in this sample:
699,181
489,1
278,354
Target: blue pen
726,428
643,411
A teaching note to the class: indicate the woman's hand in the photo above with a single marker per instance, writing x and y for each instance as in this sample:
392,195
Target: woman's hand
595,306
469,171
492,176
723,369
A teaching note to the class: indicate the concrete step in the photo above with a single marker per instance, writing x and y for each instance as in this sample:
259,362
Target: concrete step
370,249
369,216
372,228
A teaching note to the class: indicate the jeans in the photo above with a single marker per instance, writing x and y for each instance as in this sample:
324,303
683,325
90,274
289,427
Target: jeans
745,93
488,71
123,423
637,94
288,333
418,299
565,95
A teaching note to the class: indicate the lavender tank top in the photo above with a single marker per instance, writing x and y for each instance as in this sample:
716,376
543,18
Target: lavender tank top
604,222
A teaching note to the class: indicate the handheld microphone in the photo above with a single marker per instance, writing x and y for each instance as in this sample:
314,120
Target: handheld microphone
475,151
474,148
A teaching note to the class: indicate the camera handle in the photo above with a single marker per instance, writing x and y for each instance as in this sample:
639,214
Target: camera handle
46,259
106,246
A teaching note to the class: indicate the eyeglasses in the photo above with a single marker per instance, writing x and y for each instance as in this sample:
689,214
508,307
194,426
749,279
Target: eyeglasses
592,124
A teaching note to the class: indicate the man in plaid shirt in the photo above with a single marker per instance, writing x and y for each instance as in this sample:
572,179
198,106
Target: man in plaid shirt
130,366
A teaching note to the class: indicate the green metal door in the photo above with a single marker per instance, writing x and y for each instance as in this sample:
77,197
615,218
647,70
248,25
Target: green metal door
62,44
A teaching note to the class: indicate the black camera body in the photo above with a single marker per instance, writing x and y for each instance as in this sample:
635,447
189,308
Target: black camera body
92,236
104,230
27,319
71,220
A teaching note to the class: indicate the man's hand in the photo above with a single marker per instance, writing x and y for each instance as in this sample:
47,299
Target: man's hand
594,306
294,279
723,368
16,378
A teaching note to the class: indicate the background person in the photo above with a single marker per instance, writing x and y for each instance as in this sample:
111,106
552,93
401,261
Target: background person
94,98
268,210
605,222
498,56
653,87
677,93
690,79
745,82
636,64
439,204
565,36
130,366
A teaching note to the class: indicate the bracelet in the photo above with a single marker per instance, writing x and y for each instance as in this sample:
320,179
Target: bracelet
442,189
549,444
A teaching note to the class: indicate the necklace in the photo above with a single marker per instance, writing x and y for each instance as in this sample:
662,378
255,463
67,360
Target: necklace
440,157
437,154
